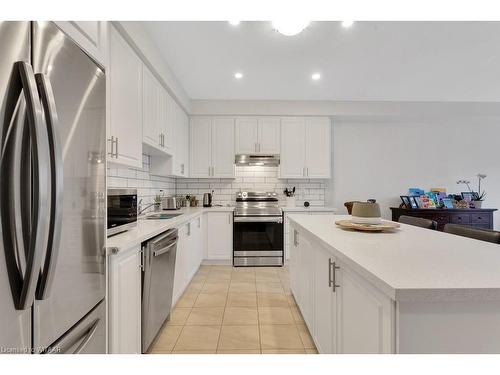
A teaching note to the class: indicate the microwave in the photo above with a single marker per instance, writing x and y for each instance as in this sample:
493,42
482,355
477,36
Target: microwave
122,210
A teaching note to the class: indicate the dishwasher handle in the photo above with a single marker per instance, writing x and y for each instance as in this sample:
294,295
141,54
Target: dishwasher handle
165,249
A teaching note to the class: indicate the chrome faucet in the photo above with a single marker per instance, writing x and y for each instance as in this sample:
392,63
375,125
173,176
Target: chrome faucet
141,210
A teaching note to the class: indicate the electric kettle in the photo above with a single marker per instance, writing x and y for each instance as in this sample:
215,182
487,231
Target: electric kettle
207,199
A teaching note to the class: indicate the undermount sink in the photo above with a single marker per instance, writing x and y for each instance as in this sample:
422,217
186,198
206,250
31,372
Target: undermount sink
162,216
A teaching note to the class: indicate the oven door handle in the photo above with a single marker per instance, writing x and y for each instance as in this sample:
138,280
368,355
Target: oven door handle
258,219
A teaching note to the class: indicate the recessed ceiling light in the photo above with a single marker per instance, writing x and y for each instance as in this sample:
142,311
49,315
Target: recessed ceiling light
290,27
347,23
238,75
316,76
234,23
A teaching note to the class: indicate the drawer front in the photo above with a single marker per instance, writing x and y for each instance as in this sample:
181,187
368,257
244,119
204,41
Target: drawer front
440,218
460,219
480,218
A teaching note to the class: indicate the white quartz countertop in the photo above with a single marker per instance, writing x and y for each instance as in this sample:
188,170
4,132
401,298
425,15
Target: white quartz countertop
413,264
147,228
309,209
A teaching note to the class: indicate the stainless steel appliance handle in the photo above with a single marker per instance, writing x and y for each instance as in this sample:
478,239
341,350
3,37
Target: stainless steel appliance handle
88,337
170,233
57,186
85,336
164,250
116,149
31,217
257,219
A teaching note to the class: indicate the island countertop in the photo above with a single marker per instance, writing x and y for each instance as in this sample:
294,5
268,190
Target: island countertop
412,264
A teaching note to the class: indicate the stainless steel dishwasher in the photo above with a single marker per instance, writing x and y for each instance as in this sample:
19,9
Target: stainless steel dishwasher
158,266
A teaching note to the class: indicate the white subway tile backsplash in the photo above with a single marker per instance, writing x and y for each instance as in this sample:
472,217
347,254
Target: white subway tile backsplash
147,185
257,178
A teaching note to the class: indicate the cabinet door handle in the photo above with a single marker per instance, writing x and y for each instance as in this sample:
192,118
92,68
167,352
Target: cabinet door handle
112,141
303,171
334,281
259,146
255,146
116,149
307,171
229,218
330,272
295,237
209,169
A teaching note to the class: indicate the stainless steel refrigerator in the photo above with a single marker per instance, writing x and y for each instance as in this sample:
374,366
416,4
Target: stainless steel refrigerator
52,191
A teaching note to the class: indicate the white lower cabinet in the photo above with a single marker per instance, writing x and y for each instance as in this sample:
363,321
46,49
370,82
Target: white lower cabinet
345,313
219,235
365,316
188,256
124,299
286,225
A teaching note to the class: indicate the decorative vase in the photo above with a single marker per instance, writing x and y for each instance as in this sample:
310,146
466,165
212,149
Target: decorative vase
478,204
366,213
290,201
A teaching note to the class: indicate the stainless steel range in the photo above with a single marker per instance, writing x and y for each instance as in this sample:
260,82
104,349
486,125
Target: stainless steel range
258,230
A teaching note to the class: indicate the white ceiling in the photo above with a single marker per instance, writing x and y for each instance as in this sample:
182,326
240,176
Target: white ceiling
409,61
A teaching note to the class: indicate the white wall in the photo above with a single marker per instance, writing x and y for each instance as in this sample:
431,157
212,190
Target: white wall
381,159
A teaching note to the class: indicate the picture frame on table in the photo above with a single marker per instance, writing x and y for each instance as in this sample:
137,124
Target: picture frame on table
406,200
413,201
448,203
468,196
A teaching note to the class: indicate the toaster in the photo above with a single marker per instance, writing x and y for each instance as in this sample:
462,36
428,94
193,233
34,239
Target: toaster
170,203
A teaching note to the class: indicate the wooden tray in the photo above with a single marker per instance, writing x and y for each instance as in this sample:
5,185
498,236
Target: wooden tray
385,226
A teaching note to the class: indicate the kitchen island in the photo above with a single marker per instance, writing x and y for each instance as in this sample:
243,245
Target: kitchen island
409,291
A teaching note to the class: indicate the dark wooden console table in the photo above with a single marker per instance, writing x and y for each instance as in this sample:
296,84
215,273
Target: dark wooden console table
478,218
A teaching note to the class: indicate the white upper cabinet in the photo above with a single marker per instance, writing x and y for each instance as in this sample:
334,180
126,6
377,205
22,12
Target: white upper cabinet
223,148
171,120
212,147
246,139
269,135
318,149
305,148
201,147
181,145
152,110
257,135
124,120
91,36
293,148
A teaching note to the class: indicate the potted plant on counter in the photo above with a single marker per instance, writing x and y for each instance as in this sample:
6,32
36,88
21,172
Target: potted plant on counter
480,194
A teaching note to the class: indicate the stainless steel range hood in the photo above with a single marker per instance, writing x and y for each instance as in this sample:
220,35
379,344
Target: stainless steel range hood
257,160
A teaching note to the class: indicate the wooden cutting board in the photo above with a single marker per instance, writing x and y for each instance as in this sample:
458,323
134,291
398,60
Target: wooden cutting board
384,226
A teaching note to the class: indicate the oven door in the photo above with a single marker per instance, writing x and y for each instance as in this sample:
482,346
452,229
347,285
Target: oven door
258,241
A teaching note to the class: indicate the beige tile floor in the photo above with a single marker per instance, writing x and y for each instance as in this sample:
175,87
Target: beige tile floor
236,310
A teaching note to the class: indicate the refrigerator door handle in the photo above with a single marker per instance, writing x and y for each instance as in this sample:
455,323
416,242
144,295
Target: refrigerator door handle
56,183
66,343
16,211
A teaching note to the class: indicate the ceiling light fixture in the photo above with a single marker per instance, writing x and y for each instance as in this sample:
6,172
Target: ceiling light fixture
238,75
290,27
316,76
234,23
347,24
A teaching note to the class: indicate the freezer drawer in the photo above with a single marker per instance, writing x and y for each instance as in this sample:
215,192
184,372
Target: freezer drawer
88,336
